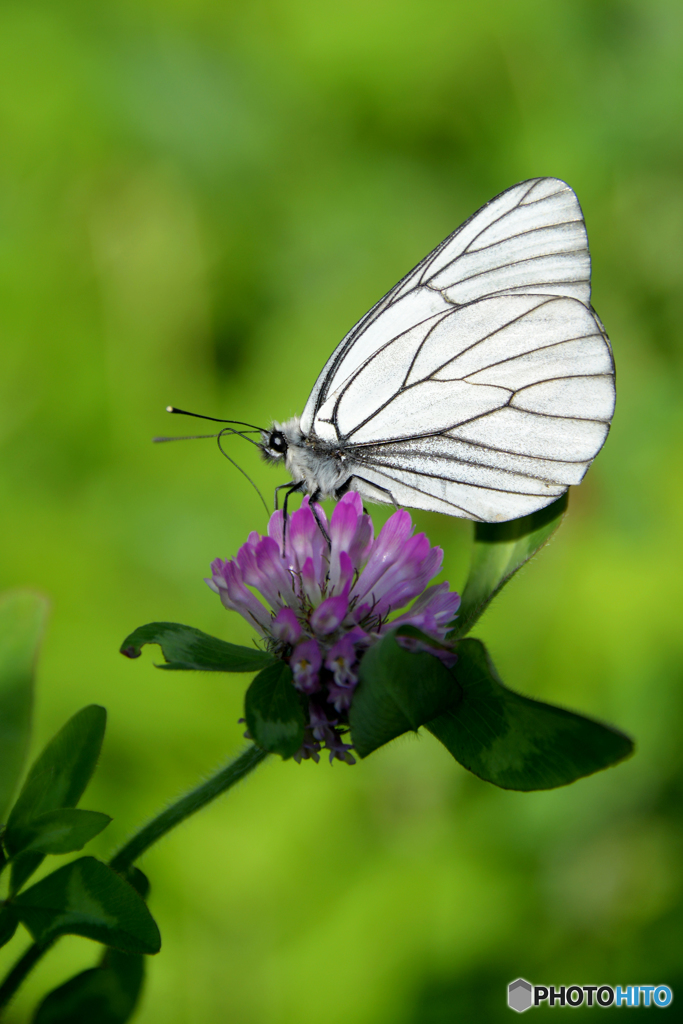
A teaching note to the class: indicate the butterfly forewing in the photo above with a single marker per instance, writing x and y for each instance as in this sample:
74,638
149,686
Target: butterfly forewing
482,384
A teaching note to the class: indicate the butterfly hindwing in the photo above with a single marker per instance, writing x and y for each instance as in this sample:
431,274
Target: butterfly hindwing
529,406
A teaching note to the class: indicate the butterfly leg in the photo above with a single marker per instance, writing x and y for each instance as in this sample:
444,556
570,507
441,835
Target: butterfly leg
341,491
316,497
292,490
281,487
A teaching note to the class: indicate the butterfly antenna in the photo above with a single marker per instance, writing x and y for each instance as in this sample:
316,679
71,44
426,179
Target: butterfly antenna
225,430
218,436
184,437
214,419
196,437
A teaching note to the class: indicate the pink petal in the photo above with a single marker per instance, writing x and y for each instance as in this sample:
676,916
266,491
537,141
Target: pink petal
353,499
340,696
329,615
362,542
344,522
350,532
408,577
318,546
302,532
286,626
275,524
309,651
440,602
247,561
309,582
240,598
344,574
305,663
320,512
386,549
272,576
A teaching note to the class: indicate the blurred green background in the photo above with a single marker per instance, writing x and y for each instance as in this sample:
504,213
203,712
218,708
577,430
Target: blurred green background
197,199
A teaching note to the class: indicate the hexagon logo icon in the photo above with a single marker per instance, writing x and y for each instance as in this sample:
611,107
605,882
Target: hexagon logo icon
519,995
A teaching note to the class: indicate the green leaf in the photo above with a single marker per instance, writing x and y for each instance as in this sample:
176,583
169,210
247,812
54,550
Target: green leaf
62,771
22,619
138,879
398,690
500,549
8,923
56,779
87,898
61,831
184,647
516,742
274,712
23,866
106,994
413,633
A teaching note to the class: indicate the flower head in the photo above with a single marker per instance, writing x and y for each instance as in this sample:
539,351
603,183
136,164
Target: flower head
328,590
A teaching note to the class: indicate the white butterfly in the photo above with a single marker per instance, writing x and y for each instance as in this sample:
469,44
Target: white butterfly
481,385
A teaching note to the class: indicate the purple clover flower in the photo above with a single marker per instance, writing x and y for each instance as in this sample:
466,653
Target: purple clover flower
326,602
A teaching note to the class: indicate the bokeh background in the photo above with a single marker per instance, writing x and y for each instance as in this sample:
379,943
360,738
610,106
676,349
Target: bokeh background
197,199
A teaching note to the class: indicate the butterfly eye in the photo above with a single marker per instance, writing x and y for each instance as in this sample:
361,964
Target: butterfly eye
277,442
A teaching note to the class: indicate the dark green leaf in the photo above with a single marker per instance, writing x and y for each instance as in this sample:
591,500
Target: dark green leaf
274,712
87,898
515,742
398,690
106,994
499,550
22,618
102,995
184,647
424,640
61,831
8,923
139,880
23,866
60,774
57,779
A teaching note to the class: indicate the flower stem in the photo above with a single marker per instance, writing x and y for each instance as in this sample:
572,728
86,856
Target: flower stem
142,840
186,806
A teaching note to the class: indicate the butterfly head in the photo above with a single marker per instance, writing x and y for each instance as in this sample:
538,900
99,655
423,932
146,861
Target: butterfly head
279,438
276,446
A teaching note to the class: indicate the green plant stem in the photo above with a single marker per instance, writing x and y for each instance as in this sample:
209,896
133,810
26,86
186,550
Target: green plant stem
142,840
185,807
22,967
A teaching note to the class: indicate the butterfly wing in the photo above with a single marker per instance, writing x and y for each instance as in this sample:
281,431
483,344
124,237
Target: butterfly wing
482,384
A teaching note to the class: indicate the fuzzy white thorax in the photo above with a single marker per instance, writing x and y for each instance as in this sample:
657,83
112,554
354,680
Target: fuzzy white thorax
315,463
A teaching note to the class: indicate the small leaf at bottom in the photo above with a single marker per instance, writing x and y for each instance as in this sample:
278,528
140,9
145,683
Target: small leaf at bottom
102,995
273,710
61,831
56,779
87,898
519,743
399,690
60,774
